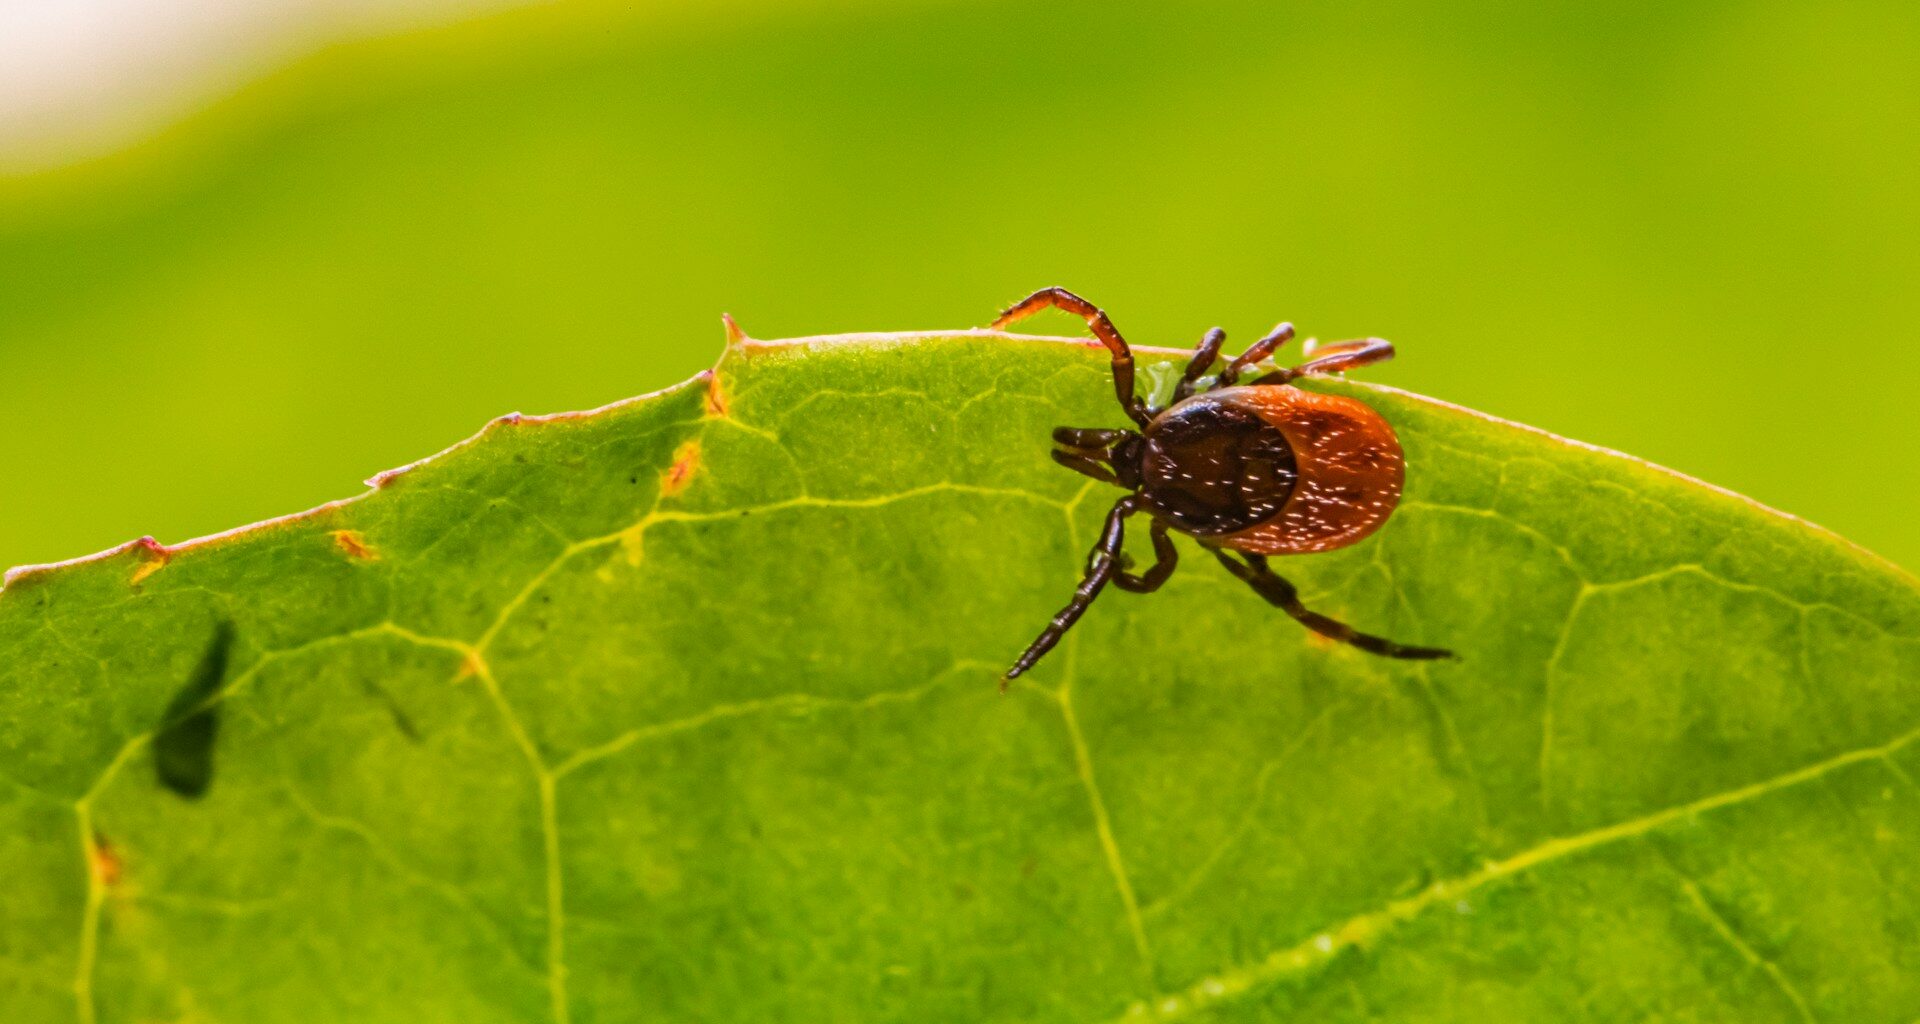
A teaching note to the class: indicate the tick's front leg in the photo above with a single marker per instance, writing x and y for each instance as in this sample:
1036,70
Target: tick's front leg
1165,557
1101,566
1102,327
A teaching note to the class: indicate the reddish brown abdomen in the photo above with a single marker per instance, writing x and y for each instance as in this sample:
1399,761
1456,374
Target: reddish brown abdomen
1272,469
1350,464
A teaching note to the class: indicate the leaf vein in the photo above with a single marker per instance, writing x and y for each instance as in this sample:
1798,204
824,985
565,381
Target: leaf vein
795,703
1724,928
1365,928
385,853
1247,815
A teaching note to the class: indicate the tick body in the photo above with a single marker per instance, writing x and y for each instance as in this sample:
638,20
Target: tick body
1247,470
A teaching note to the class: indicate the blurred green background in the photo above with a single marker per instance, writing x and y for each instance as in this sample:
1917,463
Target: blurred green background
1689,231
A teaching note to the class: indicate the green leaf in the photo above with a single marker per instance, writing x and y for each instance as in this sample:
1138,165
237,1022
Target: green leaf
686,709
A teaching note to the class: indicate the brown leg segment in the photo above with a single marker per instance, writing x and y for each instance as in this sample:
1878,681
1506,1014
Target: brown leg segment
1101,566
1165,557
1338,357
1203,356
1261,349
1062,299
1281,594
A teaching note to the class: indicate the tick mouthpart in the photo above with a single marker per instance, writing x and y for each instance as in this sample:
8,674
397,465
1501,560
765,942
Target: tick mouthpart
1093,438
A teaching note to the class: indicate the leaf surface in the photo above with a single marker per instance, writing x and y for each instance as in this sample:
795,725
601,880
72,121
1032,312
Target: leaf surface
685,709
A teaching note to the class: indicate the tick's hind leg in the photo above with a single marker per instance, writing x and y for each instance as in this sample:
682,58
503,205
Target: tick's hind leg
1338,357
1102,327
1281,594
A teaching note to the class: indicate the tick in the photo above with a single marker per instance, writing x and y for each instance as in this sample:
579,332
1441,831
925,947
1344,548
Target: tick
1247,470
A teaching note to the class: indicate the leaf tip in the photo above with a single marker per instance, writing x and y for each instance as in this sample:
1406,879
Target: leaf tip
381,479
154,554
734,334
157,557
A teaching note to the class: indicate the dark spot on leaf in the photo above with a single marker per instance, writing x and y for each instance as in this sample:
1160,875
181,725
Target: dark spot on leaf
1419,882
183,744
401,720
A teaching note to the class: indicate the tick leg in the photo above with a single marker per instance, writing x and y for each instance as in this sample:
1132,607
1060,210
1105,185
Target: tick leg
1085,466
1101,565
1261,349
1203,356
1281,594
1164,559
1339,357
1060,298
